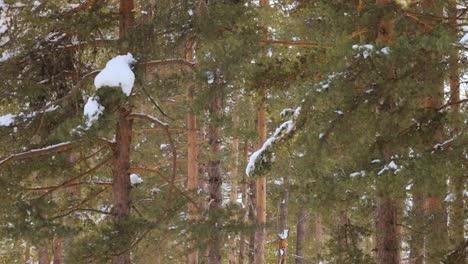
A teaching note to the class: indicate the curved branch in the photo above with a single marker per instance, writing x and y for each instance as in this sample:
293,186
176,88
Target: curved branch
37,152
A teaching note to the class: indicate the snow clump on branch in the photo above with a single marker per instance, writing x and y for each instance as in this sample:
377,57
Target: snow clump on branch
117,73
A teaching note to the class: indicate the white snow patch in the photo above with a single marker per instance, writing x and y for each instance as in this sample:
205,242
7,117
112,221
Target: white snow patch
278,181
464,40
117,73
92,110
364,50
7,120
284,234
357,174
385,50
135,179
450,198
210,77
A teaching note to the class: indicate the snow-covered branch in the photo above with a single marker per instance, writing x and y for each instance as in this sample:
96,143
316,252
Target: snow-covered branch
37,152
261,160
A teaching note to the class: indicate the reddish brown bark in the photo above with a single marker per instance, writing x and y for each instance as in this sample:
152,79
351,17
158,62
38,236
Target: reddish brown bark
192,147
261,190
120,171
387,241
121,152
259,253
126,16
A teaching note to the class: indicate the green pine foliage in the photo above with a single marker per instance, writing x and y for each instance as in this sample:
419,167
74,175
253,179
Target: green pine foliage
360,98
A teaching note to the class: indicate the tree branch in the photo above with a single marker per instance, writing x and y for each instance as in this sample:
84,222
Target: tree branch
37,152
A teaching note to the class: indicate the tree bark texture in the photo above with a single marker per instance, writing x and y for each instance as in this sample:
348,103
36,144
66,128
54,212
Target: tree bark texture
120,170
215,171
387,241
192,147
261,190
301,236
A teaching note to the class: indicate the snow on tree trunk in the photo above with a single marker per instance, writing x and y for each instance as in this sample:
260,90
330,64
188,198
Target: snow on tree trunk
283,224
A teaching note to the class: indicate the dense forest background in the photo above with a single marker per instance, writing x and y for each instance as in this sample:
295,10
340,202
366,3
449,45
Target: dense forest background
233,131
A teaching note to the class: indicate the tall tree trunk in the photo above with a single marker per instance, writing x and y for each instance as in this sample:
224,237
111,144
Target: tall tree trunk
261,190
121,153
215,170
436,236
244,188
234,175
386,215
283,224
120,167
192,147
301,233
252,219
261,181
456,179
387,241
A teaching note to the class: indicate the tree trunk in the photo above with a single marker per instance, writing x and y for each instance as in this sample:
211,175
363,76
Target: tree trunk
120,166
252,219
301,232
456,179
436,236
215,171
126,16
121,153
417,227
261,190
192,147
58,250
234,176
43,253
386,215
244,188
283,224
387,241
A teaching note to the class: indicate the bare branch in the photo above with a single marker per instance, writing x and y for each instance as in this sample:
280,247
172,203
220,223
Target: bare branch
145,117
